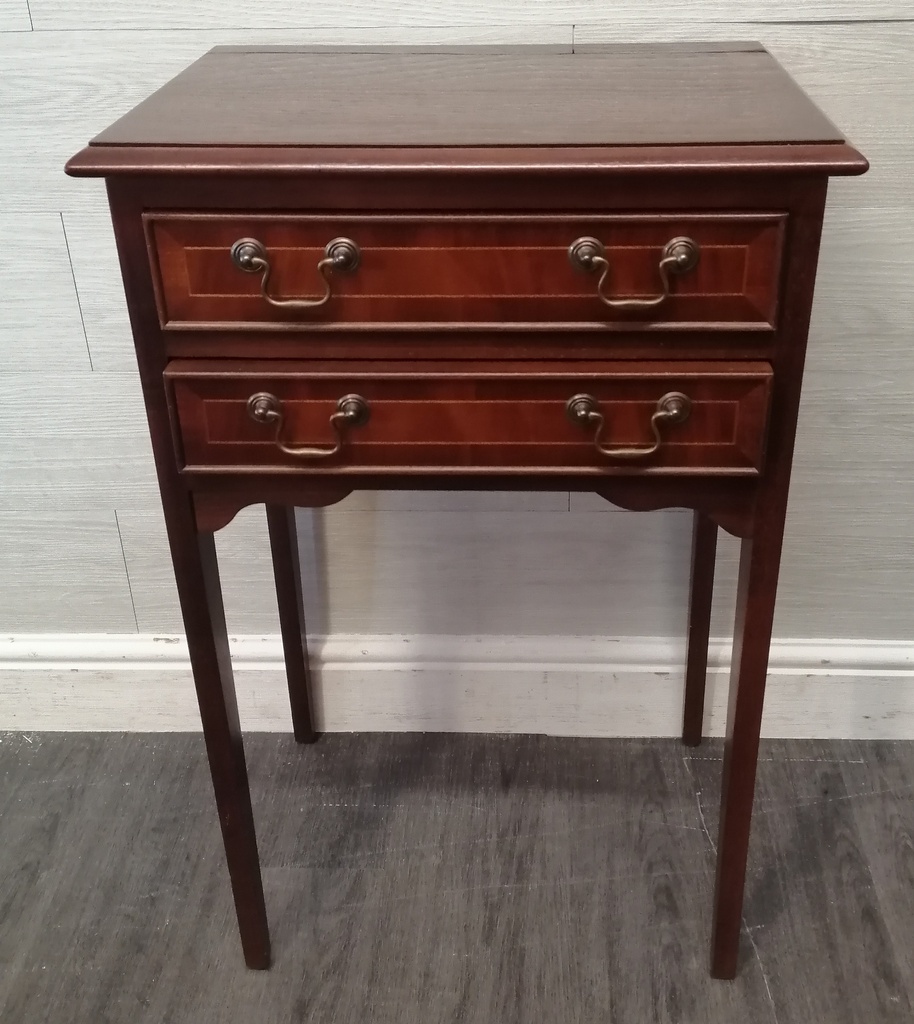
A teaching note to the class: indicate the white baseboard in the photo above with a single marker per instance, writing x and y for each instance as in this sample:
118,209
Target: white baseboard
572,686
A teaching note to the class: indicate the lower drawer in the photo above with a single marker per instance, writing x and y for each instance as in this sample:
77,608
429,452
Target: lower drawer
597,418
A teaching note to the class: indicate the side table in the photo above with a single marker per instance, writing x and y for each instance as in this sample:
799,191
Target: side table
481,268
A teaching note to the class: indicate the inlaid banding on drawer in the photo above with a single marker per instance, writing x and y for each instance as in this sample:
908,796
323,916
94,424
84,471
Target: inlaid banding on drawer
488,417
462,272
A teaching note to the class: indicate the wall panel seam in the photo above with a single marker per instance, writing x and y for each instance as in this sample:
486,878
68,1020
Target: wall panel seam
120,540
79,304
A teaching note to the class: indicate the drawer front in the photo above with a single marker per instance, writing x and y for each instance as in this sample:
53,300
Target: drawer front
296,272
608,418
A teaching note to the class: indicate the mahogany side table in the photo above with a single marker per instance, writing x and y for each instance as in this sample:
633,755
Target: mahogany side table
472,268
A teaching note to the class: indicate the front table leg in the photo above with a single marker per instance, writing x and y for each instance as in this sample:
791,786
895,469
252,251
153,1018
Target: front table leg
197,576
287,574
756,591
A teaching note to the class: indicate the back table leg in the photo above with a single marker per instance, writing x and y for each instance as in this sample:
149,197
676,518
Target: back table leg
287,573
197,576
704,551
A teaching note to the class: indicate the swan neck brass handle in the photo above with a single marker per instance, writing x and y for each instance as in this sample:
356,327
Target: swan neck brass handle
351,411
341,255
673,407
679,256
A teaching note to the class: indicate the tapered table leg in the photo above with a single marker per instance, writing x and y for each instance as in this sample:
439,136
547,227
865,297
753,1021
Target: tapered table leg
756,592
197,576
287,573
704,551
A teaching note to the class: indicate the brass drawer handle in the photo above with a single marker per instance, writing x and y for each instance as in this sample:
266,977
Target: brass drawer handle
341,255
679,256
673,407
351,411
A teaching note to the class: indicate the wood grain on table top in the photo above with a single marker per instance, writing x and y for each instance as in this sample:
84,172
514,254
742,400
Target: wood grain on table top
631,95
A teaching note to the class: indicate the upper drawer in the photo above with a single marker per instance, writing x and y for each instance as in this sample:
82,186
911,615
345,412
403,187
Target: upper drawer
297,272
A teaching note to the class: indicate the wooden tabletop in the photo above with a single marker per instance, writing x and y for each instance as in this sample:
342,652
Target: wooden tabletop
672,94
282,109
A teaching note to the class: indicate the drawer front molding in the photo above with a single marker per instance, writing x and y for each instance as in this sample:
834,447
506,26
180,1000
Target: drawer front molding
465,272
237,418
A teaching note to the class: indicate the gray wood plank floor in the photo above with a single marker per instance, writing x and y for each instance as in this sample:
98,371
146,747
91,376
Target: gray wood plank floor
428,878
